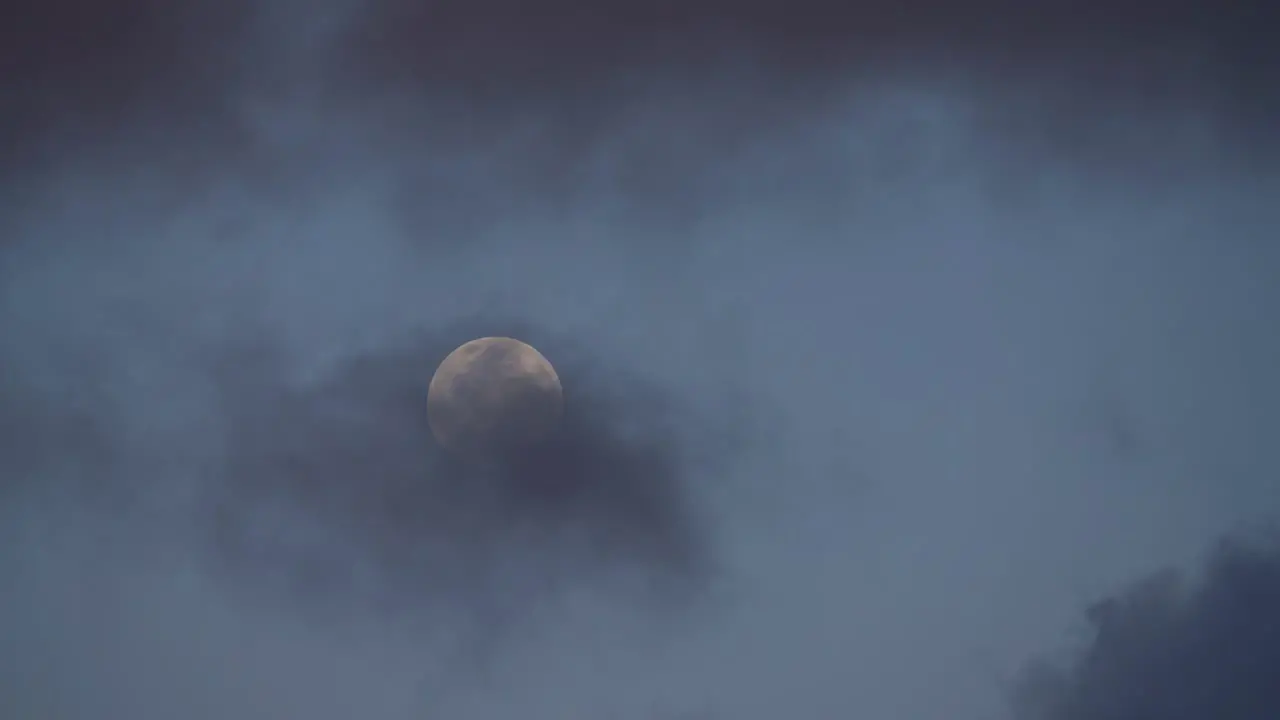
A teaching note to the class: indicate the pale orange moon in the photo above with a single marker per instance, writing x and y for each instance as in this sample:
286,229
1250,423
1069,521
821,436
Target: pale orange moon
494,392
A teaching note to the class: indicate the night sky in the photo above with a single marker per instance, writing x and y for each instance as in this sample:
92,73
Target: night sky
919,359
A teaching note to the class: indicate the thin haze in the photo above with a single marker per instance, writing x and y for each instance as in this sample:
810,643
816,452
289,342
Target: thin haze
919,334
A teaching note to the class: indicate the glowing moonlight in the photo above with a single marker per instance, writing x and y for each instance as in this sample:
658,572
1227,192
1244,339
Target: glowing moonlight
494,393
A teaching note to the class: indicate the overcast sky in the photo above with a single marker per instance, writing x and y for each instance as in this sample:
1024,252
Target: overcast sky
938,326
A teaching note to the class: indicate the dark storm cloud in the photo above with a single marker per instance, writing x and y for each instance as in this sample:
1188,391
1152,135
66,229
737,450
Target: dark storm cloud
510,42
577,67
129,63
407,526
1175,648
74,70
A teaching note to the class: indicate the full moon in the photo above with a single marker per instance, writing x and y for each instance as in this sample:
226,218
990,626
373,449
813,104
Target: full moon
494,393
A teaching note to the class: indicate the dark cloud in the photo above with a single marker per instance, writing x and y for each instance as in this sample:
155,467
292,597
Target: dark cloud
78,71
576,69
132,63
509,42
1175,648
384,516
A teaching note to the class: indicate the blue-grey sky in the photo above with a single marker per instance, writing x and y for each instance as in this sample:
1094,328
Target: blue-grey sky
928,344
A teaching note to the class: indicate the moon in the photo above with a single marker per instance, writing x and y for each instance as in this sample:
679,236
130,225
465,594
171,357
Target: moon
494,393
